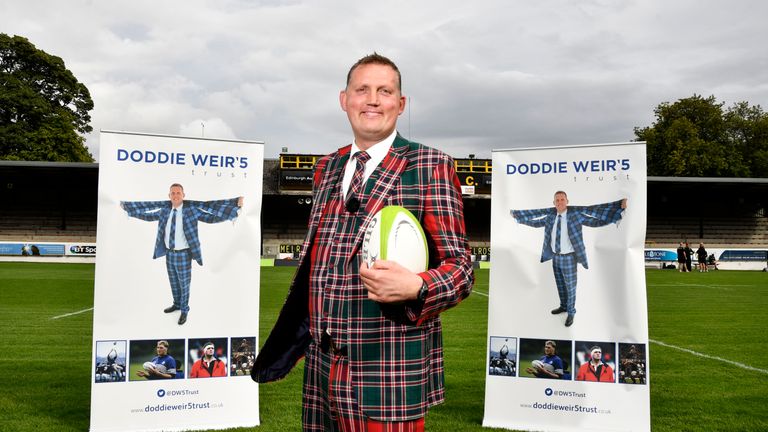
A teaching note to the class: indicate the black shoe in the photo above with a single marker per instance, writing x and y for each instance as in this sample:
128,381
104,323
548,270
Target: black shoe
170,309
558,310
183,318
569,321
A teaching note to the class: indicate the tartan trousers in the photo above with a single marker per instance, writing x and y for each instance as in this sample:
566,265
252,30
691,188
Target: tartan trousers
564,267
329,401
179,267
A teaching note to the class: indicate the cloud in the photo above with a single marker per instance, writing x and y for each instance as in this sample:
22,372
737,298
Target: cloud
479,76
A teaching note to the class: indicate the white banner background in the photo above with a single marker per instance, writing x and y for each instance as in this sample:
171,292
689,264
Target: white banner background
610,295
132,289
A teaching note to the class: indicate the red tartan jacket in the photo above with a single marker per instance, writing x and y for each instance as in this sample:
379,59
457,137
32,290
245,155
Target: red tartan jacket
395,351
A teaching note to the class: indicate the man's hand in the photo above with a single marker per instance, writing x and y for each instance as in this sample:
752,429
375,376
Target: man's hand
389,282
624,203
239,201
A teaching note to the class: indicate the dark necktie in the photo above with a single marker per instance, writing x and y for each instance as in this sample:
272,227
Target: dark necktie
557,234
172,234
352,200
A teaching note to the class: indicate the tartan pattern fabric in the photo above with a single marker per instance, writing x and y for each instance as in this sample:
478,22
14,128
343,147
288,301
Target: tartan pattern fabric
564,267
329,402
329,280
178,264
192,212
578,216
394,351
361,159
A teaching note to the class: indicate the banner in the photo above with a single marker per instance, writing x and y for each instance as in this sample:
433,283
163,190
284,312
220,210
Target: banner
717,258
567,318
32,249
176,301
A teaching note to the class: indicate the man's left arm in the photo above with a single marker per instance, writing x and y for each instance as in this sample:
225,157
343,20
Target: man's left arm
604,214
450,281
219,210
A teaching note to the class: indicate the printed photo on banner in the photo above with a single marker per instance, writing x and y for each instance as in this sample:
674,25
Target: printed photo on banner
178,238
632,361
156,360
208,357
564,243
596,361
546,358
110,361
502,358
243,355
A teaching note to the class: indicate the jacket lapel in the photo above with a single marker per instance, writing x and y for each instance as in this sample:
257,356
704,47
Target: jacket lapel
331,177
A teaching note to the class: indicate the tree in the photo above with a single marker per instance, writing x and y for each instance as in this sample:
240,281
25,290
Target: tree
747,128
695,137
43,107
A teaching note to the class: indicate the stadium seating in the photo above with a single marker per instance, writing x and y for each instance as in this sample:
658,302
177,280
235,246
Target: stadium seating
712,231
34,225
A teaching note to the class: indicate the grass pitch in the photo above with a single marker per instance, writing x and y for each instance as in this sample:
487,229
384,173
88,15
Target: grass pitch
719,383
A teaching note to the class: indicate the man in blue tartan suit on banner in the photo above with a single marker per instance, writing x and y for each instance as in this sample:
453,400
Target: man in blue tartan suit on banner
372,336
177,237
564,243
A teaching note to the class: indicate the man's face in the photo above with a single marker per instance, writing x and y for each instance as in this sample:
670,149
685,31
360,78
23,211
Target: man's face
560,202
597,355
372,102
161,350
176,195
549,349
208,351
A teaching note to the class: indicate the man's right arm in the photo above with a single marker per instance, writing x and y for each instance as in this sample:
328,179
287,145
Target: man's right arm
144,210
535,217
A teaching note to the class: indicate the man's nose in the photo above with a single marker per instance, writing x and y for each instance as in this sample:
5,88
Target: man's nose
373,98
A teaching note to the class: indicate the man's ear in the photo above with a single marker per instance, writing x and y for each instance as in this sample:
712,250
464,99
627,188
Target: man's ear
343,100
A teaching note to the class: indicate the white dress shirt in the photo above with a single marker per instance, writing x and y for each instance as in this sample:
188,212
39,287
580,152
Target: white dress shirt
377,152
180,238
565,242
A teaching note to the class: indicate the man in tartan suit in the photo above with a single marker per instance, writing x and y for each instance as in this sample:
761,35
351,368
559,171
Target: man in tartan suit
177,237
372,336
564,243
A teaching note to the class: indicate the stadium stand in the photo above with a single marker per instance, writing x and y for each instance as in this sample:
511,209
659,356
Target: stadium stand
57,202
48,201
721,212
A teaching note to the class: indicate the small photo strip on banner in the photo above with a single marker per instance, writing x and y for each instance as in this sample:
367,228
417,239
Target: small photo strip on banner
632,363
502,356
110,361
546,359
156,359
208,357
596,361
243,355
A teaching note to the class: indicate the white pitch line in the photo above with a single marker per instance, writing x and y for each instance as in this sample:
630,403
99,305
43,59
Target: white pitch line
480,293
72,313
698,354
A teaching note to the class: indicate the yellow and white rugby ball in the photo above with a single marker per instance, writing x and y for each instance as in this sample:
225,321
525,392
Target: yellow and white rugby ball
394,234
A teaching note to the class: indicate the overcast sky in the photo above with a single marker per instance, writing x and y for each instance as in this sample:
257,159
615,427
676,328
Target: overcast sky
479,75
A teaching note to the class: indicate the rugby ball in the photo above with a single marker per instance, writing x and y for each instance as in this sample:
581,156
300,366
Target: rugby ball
540,364
156,367
394,234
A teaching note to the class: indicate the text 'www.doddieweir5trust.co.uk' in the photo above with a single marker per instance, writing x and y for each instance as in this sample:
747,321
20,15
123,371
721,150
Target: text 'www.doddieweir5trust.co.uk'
569,408
178,407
